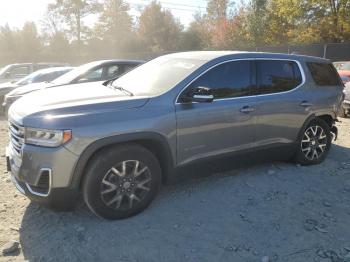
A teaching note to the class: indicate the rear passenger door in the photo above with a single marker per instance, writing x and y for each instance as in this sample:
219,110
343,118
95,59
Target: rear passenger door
281,101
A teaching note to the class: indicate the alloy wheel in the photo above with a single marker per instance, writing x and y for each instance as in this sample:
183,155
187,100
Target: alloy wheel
125,185
314,142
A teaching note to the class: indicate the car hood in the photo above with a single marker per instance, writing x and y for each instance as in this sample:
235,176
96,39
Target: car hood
20,91
73,99
6,87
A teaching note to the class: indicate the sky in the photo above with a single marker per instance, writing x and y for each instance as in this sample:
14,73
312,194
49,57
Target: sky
17,12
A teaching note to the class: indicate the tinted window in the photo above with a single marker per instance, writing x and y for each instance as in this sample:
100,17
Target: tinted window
112,71
232,79
324,74
277,76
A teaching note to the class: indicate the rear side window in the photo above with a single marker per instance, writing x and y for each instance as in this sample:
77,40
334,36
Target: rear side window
228,80
324,74
276,76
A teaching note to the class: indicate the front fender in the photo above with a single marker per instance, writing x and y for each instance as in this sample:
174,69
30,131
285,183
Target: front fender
167,158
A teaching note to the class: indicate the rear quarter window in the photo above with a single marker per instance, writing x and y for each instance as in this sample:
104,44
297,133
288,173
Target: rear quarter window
324,74
275,76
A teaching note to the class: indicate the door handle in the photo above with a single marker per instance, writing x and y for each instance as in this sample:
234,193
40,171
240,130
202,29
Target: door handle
247,109
306,104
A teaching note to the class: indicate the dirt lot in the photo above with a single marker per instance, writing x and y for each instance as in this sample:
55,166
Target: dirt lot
266,212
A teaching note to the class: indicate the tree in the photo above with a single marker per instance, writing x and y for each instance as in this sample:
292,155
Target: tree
72,13
114,25
30,42
158,29
217,9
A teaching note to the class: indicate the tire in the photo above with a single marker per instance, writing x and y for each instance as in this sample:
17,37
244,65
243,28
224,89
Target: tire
315,136
121,181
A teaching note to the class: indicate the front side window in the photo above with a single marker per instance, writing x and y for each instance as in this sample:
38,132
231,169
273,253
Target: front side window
113,71
324,74
228,80
276,76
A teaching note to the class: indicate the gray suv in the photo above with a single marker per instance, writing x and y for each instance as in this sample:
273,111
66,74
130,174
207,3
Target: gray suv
115,144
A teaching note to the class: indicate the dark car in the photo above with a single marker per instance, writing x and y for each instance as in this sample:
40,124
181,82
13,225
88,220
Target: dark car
90,72
15,72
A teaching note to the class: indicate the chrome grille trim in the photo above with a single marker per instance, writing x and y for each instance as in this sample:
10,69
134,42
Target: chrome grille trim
16,133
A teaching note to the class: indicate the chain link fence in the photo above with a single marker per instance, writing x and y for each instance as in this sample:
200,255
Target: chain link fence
332,51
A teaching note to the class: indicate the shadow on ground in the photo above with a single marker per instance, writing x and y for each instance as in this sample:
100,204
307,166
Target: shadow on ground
223,211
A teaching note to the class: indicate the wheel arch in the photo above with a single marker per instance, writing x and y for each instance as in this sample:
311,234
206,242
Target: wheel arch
328,118
154,142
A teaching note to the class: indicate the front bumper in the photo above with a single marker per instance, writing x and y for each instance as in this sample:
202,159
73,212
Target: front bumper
43,174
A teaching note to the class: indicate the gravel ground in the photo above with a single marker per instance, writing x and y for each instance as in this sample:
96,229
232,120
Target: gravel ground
274,211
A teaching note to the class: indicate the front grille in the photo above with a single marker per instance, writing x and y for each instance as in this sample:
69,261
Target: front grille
16,137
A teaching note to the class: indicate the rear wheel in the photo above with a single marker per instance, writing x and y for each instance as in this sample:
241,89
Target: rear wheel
314,143
121,181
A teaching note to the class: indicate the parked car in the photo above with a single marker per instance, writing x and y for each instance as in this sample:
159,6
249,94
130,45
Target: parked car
43,75
91,72
345,79
346,103
15,72
116,143
343,70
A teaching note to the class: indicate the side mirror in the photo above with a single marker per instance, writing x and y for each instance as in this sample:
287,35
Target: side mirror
200,95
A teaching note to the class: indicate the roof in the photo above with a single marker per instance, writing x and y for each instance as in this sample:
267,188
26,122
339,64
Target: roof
210,55
126,61
54,69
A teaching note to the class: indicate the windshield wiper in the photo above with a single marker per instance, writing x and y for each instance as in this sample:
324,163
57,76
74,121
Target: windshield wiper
121,89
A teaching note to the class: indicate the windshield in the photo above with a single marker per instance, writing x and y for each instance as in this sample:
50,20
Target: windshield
345,66
4,69
70,76
158,75
42,76
28,79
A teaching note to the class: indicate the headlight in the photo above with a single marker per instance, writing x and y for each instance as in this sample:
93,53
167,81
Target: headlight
47,138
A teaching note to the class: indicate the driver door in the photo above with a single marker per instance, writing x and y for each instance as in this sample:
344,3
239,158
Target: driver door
224,125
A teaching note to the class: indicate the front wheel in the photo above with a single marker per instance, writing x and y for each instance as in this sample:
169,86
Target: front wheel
121,181
314,143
